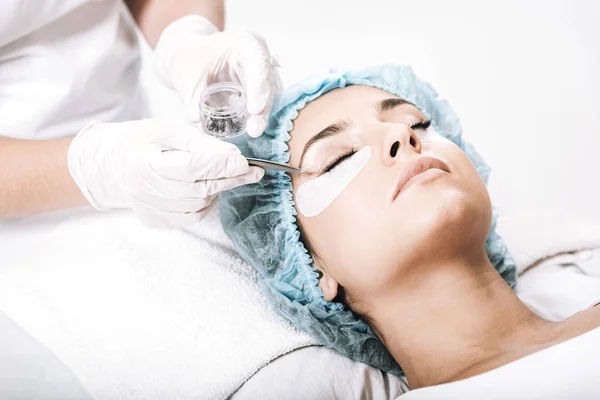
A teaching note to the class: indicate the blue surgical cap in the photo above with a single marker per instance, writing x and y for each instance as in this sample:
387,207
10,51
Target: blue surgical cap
260,219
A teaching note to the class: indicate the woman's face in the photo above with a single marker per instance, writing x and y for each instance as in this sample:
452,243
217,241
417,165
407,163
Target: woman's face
371,237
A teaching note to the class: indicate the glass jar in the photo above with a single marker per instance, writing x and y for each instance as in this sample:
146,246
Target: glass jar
223,110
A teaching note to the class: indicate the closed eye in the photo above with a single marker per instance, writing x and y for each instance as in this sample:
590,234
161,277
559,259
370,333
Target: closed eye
421,125
338,161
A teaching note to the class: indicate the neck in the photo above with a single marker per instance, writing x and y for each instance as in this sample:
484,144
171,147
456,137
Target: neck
454,317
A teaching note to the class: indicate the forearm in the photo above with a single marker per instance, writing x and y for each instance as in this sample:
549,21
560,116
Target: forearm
153,16
35,178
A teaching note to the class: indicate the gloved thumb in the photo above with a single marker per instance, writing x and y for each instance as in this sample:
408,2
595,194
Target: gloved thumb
257,123
258,74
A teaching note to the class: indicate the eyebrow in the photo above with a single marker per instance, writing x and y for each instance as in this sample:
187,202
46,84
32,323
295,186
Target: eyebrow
334,129
341,126
389,104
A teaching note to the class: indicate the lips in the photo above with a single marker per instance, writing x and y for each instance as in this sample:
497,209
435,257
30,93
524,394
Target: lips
414,169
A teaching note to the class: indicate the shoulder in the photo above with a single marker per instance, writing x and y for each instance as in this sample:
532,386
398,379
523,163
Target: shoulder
579,323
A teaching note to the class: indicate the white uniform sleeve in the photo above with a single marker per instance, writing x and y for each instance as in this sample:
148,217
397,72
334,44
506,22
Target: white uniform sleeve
19,18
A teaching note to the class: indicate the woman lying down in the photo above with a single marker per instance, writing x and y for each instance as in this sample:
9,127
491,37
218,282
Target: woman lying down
385,249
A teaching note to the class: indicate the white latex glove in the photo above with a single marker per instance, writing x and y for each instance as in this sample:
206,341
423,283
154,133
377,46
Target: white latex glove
192,54
168,172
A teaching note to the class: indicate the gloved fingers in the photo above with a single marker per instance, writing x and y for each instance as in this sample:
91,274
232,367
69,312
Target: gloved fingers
169,196
201,214
156,218
256,74
184,196
257,124
253,71
193,104
275,81
173,189
193,139
257,121
197,165
214,186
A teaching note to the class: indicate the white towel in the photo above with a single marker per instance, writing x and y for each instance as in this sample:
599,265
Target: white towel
533,237
145,314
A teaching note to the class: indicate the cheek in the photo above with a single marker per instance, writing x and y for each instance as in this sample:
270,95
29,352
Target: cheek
316,195
347,237
336,229
470,182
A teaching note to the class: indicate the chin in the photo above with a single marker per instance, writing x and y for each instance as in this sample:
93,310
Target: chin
450,218
464,216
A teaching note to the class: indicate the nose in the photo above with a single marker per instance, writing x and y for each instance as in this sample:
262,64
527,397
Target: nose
398,139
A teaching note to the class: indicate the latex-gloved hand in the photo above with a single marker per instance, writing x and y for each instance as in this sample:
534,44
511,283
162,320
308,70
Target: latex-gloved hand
168,172
192,54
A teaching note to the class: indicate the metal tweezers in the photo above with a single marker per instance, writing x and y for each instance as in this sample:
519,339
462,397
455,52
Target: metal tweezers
266,164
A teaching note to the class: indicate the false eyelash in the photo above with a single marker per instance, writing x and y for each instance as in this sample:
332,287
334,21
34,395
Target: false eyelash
338,161
421,125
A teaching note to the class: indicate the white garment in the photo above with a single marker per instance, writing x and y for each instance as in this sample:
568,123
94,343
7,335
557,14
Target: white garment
64,63
568,370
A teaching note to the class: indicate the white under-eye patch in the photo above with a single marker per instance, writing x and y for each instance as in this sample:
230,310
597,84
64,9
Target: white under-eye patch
314,196
430,135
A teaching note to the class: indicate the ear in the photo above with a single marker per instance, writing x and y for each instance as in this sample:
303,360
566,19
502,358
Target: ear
328,285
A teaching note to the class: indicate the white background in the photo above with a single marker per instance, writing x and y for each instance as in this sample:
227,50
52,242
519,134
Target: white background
524,76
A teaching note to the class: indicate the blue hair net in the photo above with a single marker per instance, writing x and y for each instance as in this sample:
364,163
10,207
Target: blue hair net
260,219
